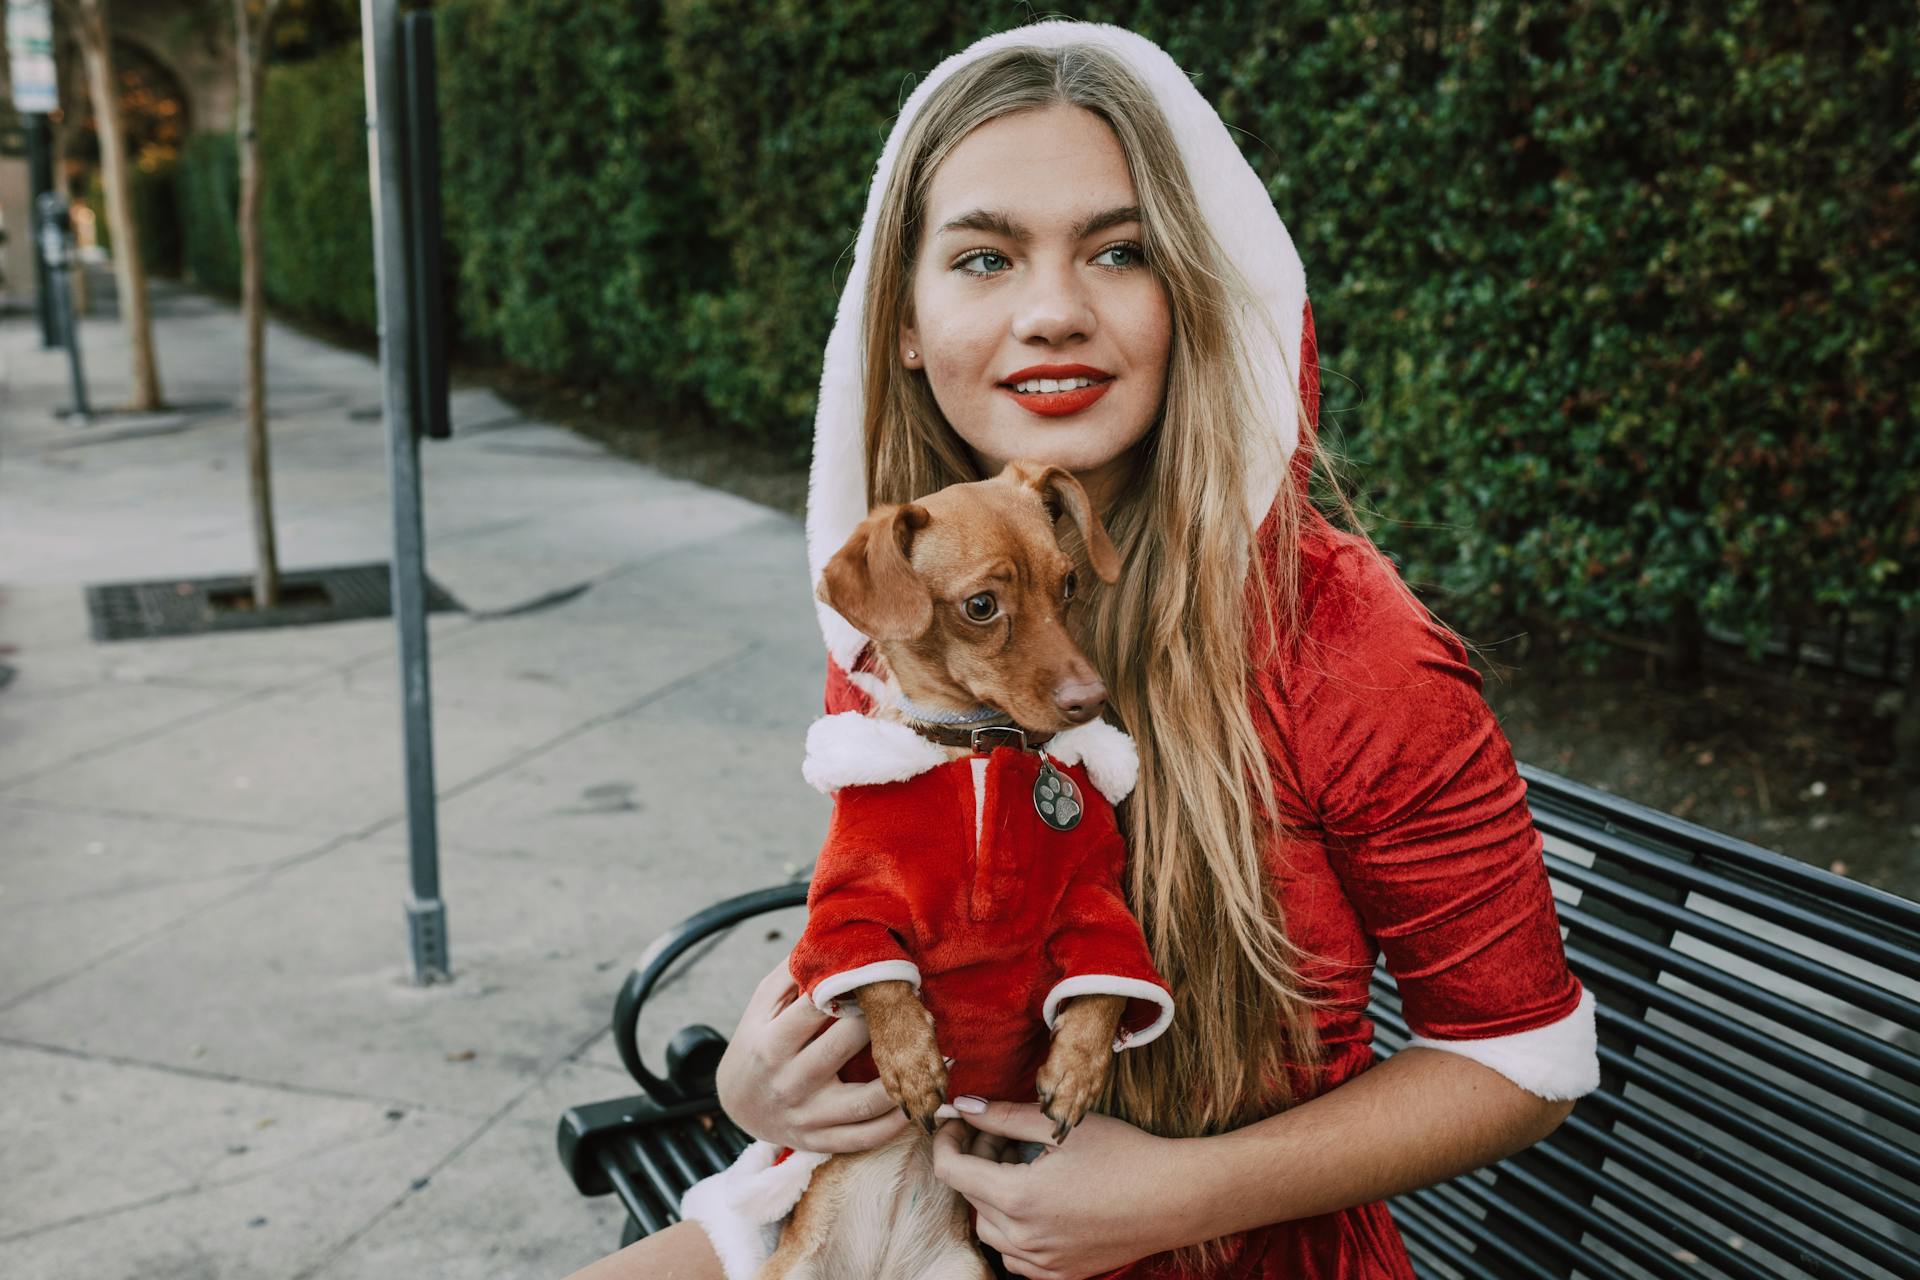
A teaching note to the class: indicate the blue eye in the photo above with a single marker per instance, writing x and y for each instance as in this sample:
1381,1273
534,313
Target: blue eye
975,255
1132,250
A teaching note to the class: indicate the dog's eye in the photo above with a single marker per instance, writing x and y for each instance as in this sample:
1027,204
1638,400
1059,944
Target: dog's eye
1067,593
982,607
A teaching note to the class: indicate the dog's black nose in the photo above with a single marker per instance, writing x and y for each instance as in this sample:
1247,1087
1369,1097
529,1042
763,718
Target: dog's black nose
1081,700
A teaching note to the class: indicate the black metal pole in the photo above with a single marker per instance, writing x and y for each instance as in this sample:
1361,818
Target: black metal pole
386,159
40,180
55,253
431,417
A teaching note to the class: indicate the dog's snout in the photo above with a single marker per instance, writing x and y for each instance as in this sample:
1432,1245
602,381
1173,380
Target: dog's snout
1080,699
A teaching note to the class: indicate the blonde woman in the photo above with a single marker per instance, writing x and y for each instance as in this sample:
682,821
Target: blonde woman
1321,781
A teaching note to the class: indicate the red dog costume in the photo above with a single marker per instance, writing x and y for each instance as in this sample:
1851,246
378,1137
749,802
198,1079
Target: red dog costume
941,873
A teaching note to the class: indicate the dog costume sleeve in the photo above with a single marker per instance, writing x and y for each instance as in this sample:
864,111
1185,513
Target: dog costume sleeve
1428,829
1100,950
859,924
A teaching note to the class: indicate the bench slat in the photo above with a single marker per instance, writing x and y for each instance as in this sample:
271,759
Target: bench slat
1554,799
1558,1238
1693,1147
1418,1211
1762,900
1864,995
1820,1073
1880,1054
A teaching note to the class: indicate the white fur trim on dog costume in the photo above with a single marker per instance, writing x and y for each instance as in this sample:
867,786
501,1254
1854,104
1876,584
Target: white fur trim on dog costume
1112,761
851,749
1236,208
1107,984
830,993
742,1206
1558,1062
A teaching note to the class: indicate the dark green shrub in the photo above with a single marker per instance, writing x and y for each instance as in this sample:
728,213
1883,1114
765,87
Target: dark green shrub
315,219
1616,304
207,190
576,219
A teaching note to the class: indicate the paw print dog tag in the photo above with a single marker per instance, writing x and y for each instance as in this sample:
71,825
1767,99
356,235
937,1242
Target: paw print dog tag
1056,798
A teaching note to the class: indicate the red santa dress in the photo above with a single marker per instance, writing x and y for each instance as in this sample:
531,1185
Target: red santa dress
1409,844
1406,839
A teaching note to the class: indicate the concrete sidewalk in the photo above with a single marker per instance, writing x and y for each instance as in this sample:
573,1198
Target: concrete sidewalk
211,1061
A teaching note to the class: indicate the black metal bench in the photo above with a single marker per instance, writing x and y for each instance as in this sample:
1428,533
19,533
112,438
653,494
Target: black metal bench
1759,1111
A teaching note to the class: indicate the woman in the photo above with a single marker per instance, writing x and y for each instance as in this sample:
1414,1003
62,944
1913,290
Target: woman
1321,782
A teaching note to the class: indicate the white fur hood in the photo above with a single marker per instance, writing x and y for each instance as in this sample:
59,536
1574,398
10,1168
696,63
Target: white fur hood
852,750
1241,216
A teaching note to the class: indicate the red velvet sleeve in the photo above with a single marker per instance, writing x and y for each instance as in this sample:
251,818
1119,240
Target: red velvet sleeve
1427,826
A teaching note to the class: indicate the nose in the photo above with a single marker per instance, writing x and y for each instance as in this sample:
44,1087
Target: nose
1080,700
1053,308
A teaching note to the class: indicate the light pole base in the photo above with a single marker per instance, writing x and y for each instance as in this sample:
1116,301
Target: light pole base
427,940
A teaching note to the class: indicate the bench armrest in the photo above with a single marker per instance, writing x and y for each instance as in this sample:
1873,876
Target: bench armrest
659,957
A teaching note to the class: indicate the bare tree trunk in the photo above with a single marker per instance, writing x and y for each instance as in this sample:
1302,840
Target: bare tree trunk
251,50
130,276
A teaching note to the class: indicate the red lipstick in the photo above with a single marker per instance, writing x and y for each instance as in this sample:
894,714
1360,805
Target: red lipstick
1057,404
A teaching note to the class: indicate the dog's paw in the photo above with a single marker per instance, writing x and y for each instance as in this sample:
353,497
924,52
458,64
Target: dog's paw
911,1068
1079,1060
1068,1090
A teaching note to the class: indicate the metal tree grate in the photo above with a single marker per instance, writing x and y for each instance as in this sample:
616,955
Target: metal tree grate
186,607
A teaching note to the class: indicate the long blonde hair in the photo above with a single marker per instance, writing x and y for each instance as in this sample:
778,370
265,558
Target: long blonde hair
1172,638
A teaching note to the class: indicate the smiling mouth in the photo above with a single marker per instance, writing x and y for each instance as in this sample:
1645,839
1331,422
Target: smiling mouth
1059,403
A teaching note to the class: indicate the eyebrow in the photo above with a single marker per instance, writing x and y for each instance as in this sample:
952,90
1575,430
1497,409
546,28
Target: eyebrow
1001,224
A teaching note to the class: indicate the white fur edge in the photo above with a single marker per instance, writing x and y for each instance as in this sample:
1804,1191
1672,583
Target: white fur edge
828,991
851,749
742,1206
1113,762
1237,209
1108,984
1558,1062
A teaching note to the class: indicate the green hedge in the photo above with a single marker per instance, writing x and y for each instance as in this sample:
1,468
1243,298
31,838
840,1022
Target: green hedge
207,185
1629,297
578,227
314,212
314,217
1617,307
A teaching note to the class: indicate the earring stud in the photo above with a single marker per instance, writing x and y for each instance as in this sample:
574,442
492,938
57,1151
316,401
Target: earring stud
912,354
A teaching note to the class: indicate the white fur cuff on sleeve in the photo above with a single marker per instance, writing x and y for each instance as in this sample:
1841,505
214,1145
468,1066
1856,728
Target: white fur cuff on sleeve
1559,1061
1107,984
830,993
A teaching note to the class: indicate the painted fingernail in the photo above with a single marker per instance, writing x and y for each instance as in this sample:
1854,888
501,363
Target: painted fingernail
969,1104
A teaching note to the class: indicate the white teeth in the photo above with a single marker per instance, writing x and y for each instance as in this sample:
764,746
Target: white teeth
1033,385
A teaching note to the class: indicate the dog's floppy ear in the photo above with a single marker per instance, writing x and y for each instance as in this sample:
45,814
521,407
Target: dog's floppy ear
869,581
1061,491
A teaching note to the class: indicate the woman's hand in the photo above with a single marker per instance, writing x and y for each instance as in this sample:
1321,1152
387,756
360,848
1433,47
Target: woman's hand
779,1081
1109,1195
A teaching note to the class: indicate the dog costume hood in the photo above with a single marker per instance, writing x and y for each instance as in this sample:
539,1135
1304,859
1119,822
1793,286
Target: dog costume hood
1234,203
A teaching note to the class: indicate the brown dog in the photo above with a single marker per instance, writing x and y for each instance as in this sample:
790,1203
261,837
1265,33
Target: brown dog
964,594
